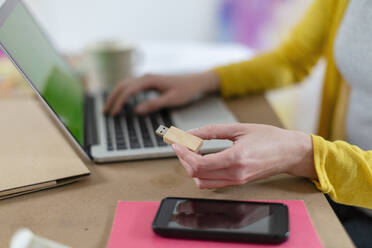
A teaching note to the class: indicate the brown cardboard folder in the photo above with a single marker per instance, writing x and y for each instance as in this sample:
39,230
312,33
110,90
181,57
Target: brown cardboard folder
34,155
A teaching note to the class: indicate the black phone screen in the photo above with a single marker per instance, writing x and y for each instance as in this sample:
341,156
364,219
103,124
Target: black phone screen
222,220
225,216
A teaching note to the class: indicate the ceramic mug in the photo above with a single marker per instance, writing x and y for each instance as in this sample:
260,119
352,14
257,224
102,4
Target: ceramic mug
110,62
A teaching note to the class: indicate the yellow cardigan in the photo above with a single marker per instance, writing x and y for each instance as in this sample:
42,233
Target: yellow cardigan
344,171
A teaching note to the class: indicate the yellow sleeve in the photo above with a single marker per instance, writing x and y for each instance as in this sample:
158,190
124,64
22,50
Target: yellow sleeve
289,63
344,172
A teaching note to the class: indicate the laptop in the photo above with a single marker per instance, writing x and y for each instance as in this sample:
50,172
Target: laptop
79,113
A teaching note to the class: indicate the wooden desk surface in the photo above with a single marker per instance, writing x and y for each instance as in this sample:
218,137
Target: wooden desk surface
81,214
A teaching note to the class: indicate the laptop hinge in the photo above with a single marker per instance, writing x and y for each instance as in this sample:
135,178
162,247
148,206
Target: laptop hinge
90,125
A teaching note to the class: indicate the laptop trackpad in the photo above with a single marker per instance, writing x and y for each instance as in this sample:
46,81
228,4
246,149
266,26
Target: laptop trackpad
206,111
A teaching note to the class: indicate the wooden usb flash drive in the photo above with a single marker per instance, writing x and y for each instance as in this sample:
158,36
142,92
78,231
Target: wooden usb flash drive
174,135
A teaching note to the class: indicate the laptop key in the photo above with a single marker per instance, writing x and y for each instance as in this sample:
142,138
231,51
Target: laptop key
128,114
108,135
119,135
134,143
133,139
147,141
165,115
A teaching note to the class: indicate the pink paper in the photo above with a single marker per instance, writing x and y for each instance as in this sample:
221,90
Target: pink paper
132,228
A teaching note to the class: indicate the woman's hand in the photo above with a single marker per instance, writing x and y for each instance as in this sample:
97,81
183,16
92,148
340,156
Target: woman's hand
174,90
258,151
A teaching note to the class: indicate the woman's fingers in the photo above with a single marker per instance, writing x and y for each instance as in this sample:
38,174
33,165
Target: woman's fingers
126,94
125,90
214,184
113,95
155,104
187,167
219,131
233,173
199,163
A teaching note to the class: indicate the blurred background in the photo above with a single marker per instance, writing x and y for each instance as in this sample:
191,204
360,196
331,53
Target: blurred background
183,35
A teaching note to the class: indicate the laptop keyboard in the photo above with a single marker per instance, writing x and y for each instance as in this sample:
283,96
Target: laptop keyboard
127,130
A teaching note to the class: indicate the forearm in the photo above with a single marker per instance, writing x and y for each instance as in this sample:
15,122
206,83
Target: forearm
264,72
211,81
289,63
344,172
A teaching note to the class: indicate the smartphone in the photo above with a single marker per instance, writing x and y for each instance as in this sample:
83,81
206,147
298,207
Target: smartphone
223,220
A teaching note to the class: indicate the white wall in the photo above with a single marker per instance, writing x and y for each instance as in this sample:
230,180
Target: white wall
73,24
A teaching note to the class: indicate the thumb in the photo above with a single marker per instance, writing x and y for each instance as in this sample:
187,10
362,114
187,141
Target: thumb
219,131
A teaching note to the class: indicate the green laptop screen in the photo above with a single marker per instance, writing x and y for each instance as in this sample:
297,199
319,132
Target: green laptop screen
29,48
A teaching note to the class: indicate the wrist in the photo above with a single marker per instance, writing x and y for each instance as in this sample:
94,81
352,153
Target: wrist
304,164
211,82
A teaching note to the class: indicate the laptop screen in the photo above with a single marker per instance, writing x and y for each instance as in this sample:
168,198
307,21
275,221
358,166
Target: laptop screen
24,41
